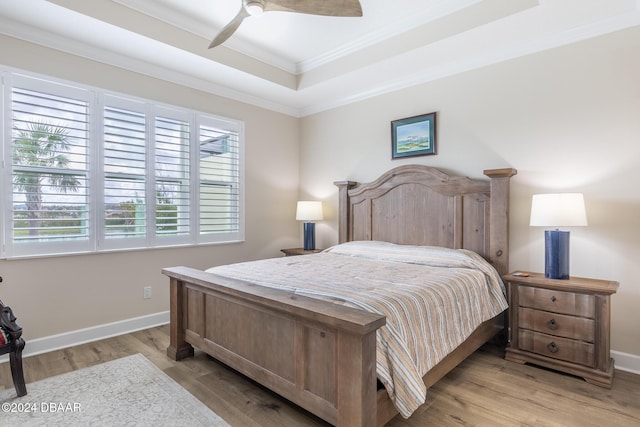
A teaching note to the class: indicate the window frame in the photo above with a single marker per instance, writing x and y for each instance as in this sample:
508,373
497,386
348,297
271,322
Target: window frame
97,240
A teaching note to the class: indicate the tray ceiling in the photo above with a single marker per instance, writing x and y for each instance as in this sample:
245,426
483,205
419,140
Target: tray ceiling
302,64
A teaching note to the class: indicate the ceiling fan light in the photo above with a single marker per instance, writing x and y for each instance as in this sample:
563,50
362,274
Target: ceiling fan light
254,7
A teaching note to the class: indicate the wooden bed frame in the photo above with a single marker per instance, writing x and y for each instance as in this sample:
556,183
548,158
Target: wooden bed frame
320,355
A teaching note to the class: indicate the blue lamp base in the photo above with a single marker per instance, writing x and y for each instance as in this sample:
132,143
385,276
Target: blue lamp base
556,254
309,236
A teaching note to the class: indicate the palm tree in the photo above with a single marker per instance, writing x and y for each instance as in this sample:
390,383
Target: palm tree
40,149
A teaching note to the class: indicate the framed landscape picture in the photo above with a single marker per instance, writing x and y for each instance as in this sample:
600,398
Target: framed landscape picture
413,136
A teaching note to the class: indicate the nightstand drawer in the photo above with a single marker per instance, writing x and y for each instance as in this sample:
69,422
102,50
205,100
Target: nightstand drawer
557,348
561,325
557,301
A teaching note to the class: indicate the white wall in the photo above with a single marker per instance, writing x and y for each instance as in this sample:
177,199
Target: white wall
62,294
568,119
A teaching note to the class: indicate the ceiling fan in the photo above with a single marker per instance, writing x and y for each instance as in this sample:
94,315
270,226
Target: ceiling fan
312,7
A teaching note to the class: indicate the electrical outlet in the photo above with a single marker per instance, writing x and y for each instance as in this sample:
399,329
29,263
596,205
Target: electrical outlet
147,292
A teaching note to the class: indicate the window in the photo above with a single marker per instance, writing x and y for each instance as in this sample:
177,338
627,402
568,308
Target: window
92,171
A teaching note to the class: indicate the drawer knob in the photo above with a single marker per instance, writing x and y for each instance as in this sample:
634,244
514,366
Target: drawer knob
553,298
552,324
553,347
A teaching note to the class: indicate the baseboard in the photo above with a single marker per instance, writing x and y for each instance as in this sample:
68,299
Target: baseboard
82,336
627,362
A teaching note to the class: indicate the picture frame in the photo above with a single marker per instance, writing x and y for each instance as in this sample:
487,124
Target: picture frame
413,136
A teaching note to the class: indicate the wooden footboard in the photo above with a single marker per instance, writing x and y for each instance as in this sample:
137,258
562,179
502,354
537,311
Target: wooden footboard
317,354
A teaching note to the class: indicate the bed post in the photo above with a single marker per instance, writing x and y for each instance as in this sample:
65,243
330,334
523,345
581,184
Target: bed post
343,209
356,385
178,348
499,227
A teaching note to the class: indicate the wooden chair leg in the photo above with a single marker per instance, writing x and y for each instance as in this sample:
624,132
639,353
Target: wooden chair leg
14,347
15,359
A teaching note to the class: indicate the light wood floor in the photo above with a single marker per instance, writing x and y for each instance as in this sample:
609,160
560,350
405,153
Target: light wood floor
485,390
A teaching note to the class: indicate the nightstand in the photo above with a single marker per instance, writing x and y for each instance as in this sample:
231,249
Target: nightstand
298,251
562,325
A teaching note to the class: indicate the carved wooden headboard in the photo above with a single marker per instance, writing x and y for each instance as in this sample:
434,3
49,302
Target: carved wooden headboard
420,205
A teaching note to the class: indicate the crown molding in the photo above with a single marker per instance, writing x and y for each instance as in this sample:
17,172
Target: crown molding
201,29
430,13
616,23
296,107
84,50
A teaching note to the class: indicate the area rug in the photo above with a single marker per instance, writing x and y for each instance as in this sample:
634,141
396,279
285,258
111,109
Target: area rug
130,391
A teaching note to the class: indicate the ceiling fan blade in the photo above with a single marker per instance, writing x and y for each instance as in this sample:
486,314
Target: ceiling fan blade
230,28
316,7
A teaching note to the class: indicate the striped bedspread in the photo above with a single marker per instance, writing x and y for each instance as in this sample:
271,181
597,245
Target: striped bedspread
433,298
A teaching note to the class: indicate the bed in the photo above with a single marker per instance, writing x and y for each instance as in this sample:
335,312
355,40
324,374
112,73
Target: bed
322,355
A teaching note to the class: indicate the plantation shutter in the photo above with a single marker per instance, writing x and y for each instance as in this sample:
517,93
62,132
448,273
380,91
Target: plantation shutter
125,172
219,180
172,177
49,134
90,171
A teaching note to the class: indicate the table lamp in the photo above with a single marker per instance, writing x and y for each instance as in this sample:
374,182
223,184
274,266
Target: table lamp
557,210
307,212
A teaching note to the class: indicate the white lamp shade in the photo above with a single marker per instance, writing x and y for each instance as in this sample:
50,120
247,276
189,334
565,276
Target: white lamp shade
309,211
558,210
